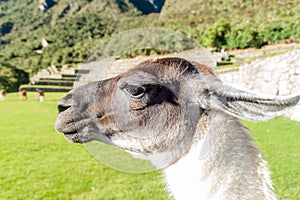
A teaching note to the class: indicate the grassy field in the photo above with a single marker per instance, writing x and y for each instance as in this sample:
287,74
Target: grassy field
38,163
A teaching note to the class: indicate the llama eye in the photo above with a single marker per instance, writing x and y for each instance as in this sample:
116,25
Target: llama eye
135,91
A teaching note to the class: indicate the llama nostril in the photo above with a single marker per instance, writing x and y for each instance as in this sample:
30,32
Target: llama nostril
65,103
62,108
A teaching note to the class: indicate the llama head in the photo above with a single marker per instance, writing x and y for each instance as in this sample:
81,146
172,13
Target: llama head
157,106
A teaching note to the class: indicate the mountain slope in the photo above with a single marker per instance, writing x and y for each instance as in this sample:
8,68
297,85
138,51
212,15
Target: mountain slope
72,29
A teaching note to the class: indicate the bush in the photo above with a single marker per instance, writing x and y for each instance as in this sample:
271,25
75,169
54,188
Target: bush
216,35
273,33
244,38
225,35
11,78
5,28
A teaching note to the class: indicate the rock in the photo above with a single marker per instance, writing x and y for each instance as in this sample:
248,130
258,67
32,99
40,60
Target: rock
293,114
44,42
276,74
269,89
267,76
297,70
295,79
284,76
284,87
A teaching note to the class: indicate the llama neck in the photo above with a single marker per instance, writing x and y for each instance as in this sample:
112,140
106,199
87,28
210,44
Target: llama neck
230,167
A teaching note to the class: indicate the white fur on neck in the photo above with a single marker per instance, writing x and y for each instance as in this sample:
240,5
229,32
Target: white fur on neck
183,177
189,178
159,160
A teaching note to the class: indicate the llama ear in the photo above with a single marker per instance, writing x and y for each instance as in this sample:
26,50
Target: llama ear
248,105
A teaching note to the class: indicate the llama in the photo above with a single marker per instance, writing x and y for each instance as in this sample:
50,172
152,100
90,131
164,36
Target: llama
23,94
2,95
185,120
40,95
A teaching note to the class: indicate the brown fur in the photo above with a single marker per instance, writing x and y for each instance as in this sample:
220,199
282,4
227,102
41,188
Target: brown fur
39,95
206,70
175,63
2,94
23,94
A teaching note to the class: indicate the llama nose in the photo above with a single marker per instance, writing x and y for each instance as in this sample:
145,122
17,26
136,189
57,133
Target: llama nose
65,103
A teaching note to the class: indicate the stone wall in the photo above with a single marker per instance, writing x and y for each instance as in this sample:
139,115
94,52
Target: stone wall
276,75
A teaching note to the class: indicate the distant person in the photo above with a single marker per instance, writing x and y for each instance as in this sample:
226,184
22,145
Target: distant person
2,94
225,55
40,95
23,94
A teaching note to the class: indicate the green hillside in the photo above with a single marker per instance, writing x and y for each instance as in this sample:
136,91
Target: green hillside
73,29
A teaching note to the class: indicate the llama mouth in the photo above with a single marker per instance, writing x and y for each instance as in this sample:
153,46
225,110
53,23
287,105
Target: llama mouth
82,130
75,137
72,127
75,131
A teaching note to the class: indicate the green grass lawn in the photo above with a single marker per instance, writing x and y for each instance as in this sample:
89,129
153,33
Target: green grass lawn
279,140
36,162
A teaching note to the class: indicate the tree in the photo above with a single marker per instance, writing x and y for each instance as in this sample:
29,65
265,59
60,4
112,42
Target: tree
11,77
